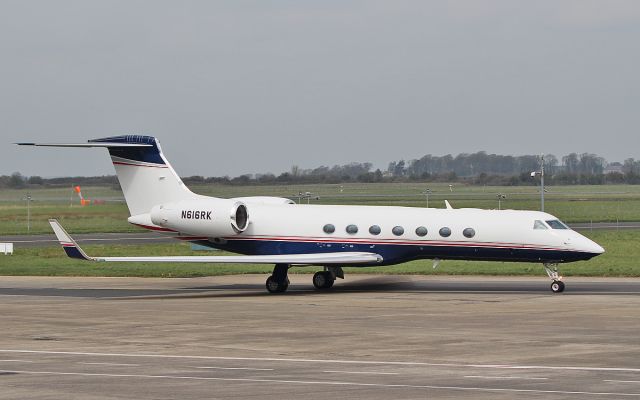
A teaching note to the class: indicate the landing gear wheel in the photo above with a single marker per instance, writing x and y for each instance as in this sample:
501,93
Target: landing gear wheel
274,286
323,280
557,286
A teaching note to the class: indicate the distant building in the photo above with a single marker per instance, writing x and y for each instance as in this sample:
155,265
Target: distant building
613,168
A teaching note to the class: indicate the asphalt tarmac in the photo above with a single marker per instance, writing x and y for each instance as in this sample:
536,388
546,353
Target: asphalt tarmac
370,337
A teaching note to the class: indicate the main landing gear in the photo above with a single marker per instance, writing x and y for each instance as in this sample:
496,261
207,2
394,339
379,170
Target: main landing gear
325,279
557,286
278,282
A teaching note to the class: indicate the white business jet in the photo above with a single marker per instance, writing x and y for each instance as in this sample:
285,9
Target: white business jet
275,230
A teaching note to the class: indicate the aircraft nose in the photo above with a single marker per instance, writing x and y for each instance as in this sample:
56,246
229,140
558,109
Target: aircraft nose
589,246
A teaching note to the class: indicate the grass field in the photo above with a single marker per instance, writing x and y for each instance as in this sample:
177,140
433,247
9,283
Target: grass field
620,259
570,203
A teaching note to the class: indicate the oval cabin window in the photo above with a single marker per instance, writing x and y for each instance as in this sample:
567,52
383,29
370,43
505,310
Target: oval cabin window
329,228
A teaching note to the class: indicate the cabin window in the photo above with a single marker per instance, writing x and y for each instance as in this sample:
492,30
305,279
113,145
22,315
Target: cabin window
539,225
445,232
398,230
352,229
374,230
329,228
556,224
469,232
421,231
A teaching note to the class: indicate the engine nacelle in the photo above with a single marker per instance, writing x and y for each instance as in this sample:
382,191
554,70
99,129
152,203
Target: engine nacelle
268,200
208,217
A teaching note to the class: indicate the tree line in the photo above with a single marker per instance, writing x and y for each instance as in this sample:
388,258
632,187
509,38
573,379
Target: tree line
475,168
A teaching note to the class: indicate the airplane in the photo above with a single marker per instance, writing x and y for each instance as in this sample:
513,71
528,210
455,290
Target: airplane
275,230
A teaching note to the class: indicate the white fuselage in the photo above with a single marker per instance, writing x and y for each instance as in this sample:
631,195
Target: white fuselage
507,235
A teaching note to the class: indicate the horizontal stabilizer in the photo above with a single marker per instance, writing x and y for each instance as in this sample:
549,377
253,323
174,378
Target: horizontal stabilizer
74,251
89,144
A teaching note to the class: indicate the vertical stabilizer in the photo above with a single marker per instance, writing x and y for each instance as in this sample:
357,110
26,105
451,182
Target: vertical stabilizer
146,177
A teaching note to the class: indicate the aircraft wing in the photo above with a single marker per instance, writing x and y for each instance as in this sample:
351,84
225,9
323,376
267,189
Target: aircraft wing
74,251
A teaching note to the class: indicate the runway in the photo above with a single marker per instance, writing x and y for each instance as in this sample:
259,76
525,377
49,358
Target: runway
373,337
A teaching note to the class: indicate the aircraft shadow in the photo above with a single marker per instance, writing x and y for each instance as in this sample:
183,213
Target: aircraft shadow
372,285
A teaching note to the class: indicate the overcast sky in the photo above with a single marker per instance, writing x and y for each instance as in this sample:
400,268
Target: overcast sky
234,87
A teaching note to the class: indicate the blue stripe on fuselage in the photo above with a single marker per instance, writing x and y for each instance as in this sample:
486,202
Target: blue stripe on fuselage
396,254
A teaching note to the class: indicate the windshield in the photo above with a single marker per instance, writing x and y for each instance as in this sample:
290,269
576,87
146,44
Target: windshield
539,225
556,224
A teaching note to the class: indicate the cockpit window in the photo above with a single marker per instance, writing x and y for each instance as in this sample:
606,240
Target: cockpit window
556,224
539,225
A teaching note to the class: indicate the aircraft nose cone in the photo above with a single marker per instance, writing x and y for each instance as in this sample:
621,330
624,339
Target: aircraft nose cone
597,248
592,247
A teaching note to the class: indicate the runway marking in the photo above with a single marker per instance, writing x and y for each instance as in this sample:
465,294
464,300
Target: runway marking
615,381
23,361
504,377
93,240
333,383
237,368
304,360
110,364
362,372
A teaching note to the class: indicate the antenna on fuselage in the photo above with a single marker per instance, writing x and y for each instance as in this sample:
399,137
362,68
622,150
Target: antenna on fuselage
446,203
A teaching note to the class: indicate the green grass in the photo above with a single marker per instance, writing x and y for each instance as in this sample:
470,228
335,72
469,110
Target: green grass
570,203
619,260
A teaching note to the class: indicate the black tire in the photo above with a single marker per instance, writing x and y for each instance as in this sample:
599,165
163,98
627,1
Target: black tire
323,280
319,280
275,287
330,281
557,286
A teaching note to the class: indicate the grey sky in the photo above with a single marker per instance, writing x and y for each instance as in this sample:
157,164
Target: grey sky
235,87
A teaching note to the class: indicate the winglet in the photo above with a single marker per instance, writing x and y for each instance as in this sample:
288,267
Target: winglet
68,244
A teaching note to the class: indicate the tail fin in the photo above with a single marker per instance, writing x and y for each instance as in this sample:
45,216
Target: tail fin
146,177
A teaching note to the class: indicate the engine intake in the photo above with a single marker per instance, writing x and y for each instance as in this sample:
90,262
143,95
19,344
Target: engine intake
207,217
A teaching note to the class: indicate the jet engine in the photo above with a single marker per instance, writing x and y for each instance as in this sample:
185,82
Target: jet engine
208,217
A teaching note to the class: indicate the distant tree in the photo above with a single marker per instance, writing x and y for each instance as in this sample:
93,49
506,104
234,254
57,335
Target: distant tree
35,180
570,162
16,181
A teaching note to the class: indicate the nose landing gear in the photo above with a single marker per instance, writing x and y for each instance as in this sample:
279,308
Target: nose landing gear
557,286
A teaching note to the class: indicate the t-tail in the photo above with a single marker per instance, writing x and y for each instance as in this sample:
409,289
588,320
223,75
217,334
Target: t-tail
146,177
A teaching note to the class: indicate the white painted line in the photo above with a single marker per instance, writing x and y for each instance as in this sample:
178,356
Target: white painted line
333,383
236,368
94,240
614,381
305,360
23,361
362,372
110,364
504,377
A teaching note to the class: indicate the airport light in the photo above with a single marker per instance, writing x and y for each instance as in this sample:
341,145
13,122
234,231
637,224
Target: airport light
427,192
500,198
541,174
28,199
306,195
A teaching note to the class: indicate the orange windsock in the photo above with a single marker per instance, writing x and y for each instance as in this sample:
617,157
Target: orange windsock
77,189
